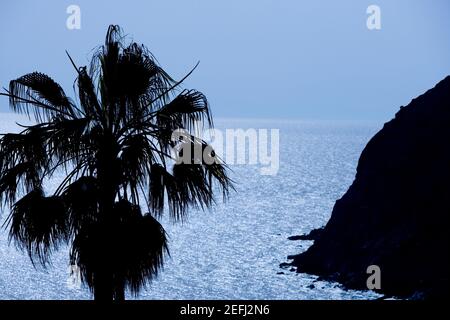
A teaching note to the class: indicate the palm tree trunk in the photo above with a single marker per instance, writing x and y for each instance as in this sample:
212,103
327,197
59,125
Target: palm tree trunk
105,288
103,274
120,294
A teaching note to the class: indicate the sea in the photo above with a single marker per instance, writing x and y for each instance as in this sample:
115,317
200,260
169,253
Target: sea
234,250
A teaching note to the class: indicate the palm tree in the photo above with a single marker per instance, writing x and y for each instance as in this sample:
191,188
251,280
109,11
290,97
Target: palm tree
115,150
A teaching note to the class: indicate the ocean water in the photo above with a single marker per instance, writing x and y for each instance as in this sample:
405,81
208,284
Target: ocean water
233,251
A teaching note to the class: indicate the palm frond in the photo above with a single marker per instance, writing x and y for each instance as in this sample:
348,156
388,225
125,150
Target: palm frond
29,145
66,139
88,97
42,94
21,177
38,224
82,199
193,184
160,181
199,152
138,73
130,81
216,170
136,158
141,246
185,111
172,88
129,245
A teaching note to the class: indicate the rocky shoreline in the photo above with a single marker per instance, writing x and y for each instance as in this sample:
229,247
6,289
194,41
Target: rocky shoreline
396,213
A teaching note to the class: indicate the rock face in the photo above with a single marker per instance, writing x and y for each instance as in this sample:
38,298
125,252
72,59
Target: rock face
313,235
396,212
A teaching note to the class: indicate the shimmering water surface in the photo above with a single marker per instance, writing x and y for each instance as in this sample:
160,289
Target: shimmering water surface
234,250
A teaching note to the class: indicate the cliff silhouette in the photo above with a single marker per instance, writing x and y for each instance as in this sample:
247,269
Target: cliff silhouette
396,212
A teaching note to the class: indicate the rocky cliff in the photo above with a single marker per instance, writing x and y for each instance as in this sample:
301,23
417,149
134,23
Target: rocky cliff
396,212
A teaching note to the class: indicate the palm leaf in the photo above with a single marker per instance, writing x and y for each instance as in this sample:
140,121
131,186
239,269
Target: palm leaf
66,139
136,157
160,182
42,93
82,199
130,246
185,111
21,177
38,225
88,97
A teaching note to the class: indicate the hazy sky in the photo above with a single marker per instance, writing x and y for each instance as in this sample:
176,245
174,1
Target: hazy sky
284,59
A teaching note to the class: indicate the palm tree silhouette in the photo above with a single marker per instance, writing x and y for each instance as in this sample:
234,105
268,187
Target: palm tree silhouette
115,148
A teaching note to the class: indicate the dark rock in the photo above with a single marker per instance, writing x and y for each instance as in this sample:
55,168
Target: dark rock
313,235
292,269
311,286
396,212
285,265
281,272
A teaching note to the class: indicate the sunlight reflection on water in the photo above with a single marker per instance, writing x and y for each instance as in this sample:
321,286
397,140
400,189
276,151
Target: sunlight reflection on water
234,250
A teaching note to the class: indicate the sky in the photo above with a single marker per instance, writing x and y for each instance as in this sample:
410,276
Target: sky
258,58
